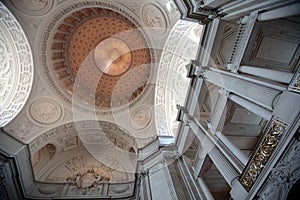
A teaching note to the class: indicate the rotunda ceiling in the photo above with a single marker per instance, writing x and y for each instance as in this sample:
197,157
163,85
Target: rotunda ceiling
104,46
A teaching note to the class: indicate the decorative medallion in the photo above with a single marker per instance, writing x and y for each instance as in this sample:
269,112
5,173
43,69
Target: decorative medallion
155,18
140,118
45,111
33,7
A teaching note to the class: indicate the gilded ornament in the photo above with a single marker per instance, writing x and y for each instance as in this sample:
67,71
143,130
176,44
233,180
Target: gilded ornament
271,138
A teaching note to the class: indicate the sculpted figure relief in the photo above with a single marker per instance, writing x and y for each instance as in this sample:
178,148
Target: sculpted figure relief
154,17
45,111
33,7
87,180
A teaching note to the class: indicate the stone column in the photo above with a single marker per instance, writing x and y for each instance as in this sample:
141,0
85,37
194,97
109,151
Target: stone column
144,176
262,112
192,101
218,113
214,3
237,152
283,77
205,189
259,92
286,11
209,39
182,138
224,166
210,141
199,160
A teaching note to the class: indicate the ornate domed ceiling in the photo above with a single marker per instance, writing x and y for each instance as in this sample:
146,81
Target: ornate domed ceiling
104,52
104,55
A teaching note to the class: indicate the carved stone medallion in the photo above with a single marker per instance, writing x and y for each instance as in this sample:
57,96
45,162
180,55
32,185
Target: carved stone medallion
140,118
45,111
154,18
33,7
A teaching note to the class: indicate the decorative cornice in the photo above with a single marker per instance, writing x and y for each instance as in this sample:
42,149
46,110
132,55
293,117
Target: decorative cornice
193,10
276,128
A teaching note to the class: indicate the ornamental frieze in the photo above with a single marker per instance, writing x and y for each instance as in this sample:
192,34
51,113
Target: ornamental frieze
263,152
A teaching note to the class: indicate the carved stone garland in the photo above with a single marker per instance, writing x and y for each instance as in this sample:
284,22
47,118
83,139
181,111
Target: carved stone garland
16,67
269,142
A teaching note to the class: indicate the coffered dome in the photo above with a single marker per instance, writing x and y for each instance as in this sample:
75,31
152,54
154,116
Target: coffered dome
104,52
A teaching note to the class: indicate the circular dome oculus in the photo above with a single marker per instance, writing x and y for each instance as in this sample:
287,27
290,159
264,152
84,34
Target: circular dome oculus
112,56
105,52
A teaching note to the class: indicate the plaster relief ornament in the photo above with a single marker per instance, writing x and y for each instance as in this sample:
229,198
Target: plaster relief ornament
87,180
33,7
154,17
16,67
140,118
45,111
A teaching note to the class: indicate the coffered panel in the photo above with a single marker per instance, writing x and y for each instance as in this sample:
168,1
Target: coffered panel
267,41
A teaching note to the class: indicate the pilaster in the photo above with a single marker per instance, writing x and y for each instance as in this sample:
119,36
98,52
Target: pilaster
218,113
241,41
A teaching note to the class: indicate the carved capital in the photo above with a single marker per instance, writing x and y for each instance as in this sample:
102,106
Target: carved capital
294,85
194,71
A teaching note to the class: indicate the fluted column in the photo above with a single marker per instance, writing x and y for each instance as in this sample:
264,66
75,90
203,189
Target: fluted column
224,166
217,117
182,138
237,152
199,160
209,141
210,36
205,189
278,76
144,176
262,112
259,92
193,101
286,11
214,3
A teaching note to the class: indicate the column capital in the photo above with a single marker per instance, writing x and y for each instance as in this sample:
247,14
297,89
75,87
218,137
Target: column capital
195,71
248,18
196,10
244,32
294,85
